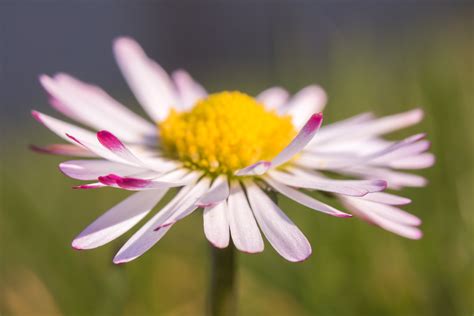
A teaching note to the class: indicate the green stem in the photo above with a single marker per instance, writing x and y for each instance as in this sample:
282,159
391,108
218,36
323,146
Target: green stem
223,289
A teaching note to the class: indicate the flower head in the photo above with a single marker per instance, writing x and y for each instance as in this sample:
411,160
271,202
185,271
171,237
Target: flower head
223,152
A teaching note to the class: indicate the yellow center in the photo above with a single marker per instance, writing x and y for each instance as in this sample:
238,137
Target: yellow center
225,132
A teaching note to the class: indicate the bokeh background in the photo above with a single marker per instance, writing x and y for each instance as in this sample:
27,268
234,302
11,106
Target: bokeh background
380,56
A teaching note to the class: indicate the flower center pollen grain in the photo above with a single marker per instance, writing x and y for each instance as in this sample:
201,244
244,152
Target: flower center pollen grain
225,132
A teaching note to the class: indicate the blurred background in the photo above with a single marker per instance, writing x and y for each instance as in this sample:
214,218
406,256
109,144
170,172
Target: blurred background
380,56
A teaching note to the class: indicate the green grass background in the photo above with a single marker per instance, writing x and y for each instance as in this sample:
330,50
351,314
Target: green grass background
355,269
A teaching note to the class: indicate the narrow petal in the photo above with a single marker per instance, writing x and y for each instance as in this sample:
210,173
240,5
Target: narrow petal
243,228
63,150
148,81
218,192
402,229
305,199
307,101
395,179
345,187
188,89
273,98
421,161
296,145
280,231
147,236
154,182
92,169
386,198
118,219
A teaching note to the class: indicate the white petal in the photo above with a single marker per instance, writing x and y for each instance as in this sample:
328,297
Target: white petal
148,81
216,225
63,150
189,90
92,169
118,220
305,199
395,179
218,192
413,162
147,235
243,228
396,227
273,98
346,187
280,231
91,106
307,101
386,198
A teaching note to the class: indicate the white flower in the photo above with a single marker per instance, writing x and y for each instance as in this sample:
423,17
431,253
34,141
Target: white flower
224,151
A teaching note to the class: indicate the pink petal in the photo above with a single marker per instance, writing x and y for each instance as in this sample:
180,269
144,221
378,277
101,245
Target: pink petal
280,231
243,228
148,81
118,219
386,198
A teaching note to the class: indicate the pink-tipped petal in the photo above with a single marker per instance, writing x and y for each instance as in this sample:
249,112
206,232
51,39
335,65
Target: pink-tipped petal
148,81
300,141
118,219
305,199
279,230
216,225
243,228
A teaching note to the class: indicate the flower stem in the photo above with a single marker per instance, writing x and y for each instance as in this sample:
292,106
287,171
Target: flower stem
223,289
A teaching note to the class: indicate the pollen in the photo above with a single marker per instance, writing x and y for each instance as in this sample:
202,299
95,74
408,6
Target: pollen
225,132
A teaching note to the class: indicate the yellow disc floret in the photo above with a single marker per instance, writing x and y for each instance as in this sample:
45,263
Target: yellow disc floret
225,132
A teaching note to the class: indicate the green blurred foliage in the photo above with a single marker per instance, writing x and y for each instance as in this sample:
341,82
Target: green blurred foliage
356,269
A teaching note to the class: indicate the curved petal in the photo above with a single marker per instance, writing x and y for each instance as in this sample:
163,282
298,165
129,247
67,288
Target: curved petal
63,150
148,81
243,228
280,231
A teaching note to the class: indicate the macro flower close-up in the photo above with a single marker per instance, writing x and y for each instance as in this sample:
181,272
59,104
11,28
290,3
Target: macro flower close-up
227,158
226,152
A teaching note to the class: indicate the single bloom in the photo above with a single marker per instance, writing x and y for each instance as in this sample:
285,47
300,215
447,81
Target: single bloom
226,153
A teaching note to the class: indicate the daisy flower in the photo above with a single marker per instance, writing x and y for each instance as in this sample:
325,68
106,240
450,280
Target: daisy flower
225,153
